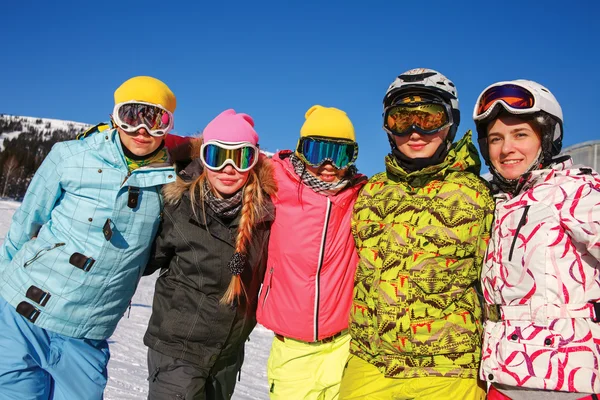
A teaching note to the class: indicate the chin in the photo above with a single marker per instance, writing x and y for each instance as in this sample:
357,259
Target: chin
511,175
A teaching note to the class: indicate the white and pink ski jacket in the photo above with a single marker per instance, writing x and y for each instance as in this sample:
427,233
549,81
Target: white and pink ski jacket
540,281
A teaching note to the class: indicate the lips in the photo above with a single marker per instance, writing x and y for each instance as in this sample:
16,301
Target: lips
228,182
328,177
141,142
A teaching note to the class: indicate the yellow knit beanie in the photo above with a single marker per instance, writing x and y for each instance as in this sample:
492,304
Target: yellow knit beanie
147,89
327,122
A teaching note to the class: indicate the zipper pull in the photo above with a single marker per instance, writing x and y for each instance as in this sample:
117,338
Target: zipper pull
126,177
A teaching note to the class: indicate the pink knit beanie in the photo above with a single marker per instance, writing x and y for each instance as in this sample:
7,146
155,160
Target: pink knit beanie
231,127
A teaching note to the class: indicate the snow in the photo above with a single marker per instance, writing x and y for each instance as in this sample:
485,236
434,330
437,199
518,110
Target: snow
127,367
43,125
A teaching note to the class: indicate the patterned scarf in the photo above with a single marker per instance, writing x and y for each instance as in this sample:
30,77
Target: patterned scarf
224,208
315,183
159,156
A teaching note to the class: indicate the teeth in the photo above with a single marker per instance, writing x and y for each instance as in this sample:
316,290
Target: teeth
511,162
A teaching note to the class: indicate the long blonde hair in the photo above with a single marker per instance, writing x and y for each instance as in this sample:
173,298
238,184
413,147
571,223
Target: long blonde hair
253,203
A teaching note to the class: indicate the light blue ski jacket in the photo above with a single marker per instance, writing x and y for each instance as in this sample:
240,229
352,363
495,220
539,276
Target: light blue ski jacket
78,244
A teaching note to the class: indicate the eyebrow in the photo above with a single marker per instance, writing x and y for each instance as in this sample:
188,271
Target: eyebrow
517,130
521,130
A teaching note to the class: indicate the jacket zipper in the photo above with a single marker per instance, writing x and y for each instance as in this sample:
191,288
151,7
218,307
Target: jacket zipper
40,253
126,177
521,223
268,288
319,266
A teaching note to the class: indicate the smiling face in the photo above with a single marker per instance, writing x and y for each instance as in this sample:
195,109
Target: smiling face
417,145
513,144
326,172
227,181
140,143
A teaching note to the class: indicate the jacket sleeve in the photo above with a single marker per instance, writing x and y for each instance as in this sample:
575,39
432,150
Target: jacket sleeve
42,194
162,248
580,215
488,205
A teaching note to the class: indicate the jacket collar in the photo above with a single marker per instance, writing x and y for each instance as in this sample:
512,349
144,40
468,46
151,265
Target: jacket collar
462,157
533,178
282,158
109,148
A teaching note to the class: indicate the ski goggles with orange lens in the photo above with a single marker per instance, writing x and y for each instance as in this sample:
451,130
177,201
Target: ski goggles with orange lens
133,115
215,155
315,151
515,98
424,118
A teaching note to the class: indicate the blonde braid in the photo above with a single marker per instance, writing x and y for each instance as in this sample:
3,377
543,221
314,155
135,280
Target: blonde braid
196,188
252,201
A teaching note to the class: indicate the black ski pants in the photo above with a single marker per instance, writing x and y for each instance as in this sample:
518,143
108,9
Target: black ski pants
176,379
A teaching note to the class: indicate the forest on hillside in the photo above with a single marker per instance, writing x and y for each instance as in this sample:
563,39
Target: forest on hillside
26,143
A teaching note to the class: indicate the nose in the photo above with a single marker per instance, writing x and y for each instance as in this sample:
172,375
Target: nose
143,131
507,146
327,166
228,169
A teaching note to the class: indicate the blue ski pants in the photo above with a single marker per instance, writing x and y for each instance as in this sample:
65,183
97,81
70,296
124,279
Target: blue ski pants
36,364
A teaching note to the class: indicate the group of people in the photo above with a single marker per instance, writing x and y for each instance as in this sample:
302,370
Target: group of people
423,282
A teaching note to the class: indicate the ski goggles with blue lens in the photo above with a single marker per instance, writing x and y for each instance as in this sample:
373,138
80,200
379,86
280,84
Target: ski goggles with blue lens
425,118
215,155
315,151
133,115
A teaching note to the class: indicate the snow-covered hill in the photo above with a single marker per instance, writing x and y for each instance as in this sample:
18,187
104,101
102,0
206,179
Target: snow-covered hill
41,126
127,367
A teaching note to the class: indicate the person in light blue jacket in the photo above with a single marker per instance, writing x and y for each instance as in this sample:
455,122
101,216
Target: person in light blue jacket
77,247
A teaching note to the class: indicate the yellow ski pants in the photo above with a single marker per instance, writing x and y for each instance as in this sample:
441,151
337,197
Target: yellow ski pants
363,380
307,371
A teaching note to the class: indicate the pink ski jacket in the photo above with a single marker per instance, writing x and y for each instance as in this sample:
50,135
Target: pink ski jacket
307,291
541,283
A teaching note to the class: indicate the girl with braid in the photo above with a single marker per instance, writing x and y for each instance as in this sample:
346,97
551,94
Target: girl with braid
212,255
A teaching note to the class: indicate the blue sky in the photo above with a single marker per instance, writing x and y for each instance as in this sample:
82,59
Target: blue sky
273,60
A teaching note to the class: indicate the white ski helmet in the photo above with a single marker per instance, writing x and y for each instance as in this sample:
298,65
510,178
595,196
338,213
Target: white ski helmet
428,81
542,102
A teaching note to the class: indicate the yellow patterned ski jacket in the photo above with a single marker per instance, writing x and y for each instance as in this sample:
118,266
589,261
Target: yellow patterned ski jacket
421,238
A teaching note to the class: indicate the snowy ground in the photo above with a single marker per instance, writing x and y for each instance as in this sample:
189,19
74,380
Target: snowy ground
127,368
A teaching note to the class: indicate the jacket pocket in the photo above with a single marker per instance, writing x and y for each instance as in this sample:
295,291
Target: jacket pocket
532,335
533,351
41,252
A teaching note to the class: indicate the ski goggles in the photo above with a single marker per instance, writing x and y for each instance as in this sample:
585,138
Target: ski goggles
424,118
315,151
133,115
216,155
516,99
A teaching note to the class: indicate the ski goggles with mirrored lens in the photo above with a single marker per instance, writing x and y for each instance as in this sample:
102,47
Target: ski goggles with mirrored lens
515,98
133,115
424,118
315,151
216,155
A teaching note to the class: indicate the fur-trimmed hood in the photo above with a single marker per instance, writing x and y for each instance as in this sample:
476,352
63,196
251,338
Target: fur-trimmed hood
173,192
